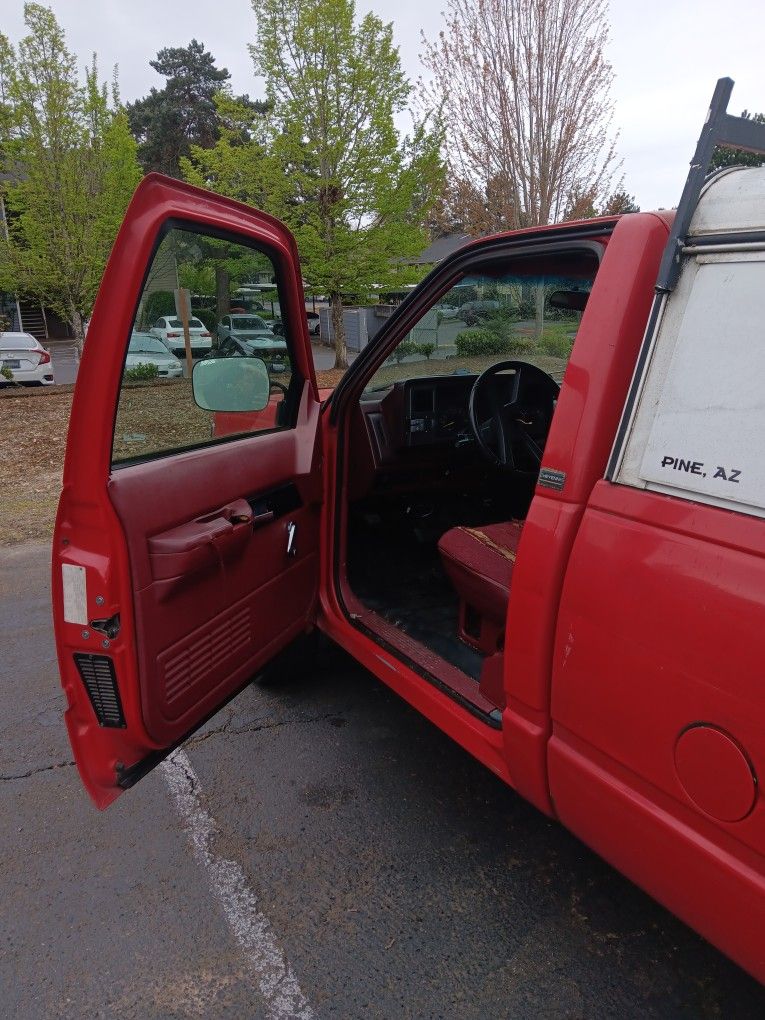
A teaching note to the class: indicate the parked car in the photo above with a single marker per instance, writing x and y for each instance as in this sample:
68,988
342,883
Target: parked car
244,326
473,311
24,356
447,311
169,329
314,324
145,349
272,350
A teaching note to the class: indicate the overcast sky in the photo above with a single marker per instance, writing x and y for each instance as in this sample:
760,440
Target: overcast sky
667,55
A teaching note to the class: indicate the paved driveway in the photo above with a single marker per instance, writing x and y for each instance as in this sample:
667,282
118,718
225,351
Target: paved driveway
64,357
320,837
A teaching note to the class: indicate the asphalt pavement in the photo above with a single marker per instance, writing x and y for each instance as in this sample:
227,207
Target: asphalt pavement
64,357
318,836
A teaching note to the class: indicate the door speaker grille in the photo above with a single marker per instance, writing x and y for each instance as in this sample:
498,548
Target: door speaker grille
97,672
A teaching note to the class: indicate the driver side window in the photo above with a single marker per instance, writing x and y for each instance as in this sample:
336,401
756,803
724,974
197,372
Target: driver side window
527,310
189,387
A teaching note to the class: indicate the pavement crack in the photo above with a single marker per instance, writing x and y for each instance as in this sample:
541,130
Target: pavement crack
33,772
228,728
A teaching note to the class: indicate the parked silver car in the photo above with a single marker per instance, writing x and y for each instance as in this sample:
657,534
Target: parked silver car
242,326
145,349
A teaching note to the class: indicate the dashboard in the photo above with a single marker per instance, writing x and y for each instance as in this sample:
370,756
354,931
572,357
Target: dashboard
414,436
416,413
436,410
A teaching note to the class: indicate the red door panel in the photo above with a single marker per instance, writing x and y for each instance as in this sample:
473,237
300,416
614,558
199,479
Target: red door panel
173,580
657,703
202,631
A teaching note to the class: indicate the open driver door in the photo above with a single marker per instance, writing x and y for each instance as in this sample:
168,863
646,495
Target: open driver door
186,554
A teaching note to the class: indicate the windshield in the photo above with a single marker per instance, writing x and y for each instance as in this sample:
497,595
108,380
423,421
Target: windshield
146,344
248,322
517,313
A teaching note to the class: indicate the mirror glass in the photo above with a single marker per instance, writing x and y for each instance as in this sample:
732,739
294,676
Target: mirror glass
231,384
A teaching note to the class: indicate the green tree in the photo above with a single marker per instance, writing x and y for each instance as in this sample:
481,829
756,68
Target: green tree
68,170
618,203
234,165
722,157
356,195
169,121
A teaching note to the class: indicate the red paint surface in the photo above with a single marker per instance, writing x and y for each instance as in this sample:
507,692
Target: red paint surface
589,407
109,537
660,628
715,773
632,616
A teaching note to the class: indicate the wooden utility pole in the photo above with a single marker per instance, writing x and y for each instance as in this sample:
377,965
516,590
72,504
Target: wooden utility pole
183,308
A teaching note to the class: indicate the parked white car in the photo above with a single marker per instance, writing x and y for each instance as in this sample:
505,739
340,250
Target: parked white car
145,349
169,329
27,360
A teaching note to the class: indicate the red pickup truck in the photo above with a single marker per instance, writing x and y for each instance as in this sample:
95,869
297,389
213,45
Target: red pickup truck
546,533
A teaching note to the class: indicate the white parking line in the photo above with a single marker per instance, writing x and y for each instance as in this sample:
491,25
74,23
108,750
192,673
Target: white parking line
251,929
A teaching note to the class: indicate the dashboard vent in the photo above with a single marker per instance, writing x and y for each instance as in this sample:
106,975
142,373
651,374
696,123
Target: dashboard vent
97,673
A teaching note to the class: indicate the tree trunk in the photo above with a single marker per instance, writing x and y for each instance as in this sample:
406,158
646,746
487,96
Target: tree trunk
338,328
540,310
222,291
78,326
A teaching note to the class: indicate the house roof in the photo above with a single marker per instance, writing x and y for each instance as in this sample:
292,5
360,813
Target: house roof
438,250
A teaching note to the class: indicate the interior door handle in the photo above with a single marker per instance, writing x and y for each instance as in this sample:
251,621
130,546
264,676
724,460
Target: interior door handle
291,532
201,544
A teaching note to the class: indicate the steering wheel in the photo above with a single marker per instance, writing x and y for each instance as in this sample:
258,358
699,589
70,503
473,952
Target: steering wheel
510,409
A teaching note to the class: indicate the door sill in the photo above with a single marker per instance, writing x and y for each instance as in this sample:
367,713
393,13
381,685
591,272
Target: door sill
430,666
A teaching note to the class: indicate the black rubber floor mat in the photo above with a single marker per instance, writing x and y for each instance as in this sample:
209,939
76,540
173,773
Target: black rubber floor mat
400,577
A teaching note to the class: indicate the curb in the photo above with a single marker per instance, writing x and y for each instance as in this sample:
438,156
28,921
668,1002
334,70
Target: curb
24,392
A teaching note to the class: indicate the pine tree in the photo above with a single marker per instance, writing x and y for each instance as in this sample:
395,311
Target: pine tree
169,121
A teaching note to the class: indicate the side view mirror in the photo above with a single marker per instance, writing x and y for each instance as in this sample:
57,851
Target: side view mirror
231,384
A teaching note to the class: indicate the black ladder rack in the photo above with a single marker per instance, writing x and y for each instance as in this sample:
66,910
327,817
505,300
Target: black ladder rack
719,129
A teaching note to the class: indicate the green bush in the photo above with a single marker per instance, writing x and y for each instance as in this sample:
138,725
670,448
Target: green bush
499,322
427,350
481,342
405,350
6,373
141,372
557,341
484,342
209,319
160,302
465,294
